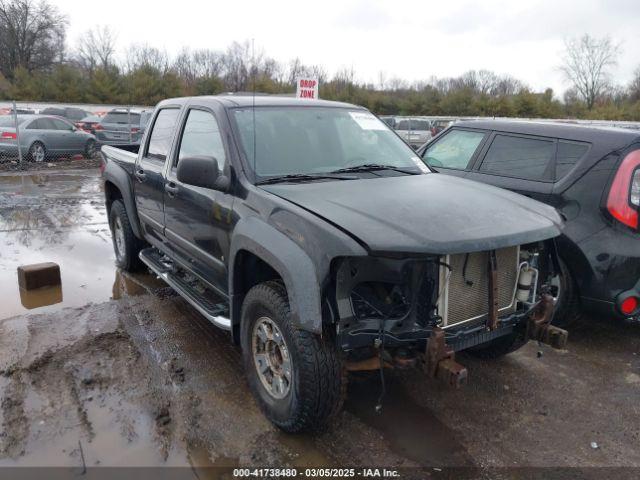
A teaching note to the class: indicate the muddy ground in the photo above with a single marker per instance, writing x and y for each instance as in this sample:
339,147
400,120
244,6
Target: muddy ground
116,370
54,164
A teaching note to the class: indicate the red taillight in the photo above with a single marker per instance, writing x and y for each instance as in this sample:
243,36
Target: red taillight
135,130
622,202
629,305
98,127
9,135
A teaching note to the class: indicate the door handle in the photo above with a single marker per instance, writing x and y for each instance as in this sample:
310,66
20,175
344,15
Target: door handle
171,189
140,175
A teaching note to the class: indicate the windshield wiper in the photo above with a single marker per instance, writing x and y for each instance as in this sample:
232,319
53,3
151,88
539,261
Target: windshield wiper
301,177
372,167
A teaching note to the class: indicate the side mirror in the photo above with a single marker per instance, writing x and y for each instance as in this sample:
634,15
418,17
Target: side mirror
201,171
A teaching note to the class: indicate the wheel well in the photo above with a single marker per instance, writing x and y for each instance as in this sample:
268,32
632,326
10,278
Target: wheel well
111,194
249,270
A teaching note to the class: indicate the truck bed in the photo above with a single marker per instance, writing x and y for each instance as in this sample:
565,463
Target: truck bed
125,158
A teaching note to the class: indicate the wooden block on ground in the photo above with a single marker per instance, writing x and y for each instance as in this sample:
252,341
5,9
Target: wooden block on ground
38,275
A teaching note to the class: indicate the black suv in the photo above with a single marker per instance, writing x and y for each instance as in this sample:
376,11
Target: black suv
591,175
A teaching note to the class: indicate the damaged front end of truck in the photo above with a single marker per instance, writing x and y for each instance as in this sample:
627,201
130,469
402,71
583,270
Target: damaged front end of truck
418,311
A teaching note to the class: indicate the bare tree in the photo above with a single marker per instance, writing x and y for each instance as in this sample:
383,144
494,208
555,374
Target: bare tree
634,86
586,64
297,69
144,56
31,35
96,48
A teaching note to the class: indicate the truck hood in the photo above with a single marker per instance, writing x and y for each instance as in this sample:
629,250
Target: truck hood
425,214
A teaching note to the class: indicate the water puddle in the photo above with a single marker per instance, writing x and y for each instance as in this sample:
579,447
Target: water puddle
40,297
59,217
413,431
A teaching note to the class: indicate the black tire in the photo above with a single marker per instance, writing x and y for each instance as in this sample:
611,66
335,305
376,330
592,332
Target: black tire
318,384
90,149
34,154
499,347
567,311
128,246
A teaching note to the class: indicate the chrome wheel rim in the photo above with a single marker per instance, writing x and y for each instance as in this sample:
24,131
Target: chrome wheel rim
38,153
91,149
118,235
271,358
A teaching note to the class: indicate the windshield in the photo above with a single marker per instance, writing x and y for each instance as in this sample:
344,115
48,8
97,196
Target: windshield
316,140
9,121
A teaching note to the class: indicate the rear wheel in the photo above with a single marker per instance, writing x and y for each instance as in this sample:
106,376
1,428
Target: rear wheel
295,375
567,309
37,152
90,149
125,244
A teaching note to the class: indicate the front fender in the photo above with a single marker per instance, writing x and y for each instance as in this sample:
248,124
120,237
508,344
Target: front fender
292,263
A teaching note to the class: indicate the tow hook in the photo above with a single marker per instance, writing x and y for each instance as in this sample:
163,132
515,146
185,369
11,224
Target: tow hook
539,326
440,361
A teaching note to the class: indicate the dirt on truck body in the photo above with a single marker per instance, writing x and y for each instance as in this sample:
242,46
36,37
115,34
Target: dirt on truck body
332,245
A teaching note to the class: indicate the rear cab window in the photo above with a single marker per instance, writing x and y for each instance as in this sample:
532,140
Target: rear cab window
162,134
454,149
520,157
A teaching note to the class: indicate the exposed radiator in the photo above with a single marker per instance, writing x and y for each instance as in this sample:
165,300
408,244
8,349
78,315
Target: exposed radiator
460,302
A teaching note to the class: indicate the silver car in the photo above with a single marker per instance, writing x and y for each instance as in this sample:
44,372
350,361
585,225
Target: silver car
414,131
121,127
43,137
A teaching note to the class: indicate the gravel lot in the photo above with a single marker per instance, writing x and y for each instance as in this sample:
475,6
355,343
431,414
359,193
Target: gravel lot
122,372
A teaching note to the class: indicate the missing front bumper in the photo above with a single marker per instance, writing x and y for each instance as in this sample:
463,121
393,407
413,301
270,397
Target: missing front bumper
439,356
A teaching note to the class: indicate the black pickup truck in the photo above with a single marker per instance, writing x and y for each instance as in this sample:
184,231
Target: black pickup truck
313,233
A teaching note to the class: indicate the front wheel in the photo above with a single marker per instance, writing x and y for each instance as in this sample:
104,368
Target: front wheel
295,375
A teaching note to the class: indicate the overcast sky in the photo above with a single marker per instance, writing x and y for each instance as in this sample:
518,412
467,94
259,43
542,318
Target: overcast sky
411,39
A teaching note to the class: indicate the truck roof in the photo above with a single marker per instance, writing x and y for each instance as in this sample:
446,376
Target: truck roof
248,100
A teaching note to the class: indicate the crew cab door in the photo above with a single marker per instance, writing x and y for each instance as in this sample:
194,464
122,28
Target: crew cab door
524,164
197,219
148,172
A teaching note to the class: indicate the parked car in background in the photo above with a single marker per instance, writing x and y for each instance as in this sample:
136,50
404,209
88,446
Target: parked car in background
88,124
389,120
43,137
414,131
120,127
145,116
591,175
73,114
438,126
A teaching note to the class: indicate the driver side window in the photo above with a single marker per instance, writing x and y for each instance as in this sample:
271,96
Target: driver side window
454,150
201,136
